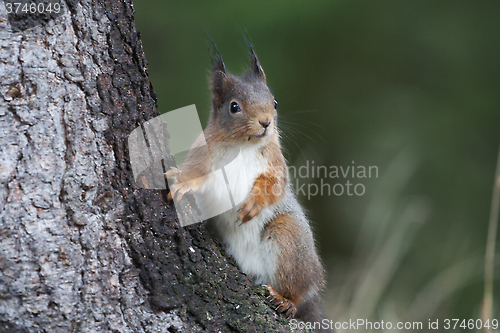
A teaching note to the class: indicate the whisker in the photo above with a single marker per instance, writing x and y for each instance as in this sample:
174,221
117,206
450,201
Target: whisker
290,137
301,129
300,125
301,111
240,129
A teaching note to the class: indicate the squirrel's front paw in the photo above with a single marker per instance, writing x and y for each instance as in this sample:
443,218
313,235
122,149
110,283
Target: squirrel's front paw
282,304
173,174
249,209
178,190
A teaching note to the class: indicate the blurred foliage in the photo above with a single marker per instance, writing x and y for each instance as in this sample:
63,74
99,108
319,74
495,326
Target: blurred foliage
410,87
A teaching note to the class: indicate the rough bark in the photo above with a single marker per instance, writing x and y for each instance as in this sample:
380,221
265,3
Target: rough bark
82,248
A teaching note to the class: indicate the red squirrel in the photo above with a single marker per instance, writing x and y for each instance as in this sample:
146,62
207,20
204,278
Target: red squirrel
268,234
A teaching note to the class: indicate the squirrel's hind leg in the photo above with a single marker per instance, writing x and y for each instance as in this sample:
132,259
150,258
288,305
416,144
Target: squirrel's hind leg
298,273
283,305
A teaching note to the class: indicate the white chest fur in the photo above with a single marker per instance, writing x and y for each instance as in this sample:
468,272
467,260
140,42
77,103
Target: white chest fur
255,256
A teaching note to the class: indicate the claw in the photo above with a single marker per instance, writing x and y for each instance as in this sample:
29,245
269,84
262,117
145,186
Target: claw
281,304
178,195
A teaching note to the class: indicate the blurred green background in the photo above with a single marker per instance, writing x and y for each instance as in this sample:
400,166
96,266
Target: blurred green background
410,87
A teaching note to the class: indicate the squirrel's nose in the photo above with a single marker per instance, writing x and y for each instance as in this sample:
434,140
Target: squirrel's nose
265,124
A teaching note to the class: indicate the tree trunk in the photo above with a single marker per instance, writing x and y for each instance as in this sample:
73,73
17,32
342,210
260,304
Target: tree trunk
82,247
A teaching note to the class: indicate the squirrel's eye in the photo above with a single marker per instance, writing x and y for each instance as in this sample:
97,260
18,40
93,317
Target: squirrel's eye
234,107
275,104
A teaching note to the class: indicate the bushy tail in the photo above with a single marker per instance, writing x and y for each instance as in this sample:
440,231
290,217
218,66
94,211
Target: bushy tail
311,311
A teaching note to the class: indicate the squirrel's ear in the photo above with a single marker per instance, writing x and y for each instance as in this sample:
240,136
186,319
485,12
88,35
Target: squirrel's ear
216,57
220,86
257,70
217,63
220,80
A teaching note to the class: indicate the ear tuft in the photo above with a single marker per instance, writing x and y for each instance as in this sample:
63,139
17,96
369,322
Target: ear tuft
219,81
257,70
216,57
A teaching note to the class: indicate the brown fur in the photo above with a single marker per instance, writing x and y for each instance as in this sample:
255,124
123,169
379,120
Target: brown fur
300,274
294,288
268,188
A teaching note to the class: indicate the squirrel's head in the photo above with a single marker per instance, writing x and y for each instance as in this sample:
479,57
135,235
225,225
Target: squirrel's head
244,110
